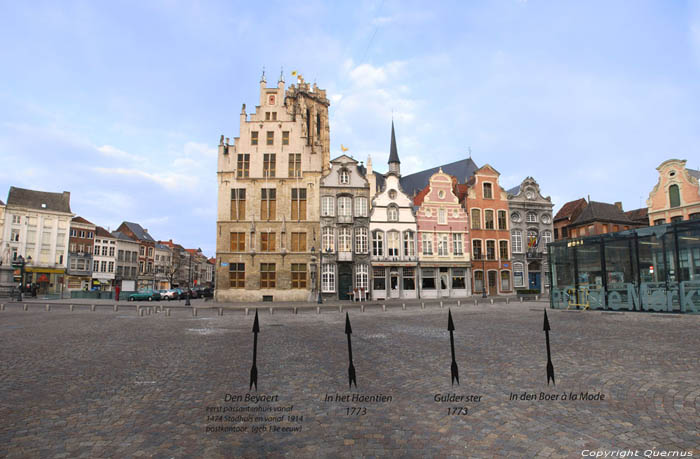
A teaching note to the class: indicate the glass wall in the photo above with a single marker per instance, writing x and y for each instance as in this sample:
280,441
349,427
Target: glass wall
646,269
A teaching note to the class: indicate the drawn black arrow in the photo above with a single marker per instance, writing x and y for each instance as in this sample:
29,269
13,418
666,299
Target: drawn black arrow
351,368
451,328
254,368
550,367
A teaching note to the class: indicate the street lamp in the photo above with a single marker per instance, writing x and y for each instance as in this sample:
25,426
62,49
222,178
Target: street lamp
318,272
21,262
483,272
189,282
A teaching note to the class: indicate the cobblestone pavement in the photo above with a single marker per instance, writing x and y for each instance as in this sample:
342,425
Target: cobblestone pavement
96,384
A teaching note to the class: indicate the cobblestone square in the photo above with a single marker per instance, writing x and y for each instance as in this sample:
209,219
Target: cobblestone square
104,383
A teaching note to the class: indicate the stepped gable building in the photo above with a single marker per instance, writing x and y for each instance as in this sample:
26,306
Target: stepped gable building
80,248
344,256
104,260
146,252
487,205
393,229
568,213
443,240
676,196
531,229
37,225
268,190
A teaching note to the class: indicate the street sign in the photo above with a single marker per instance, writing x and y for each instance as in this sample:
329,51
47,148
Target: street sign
651,269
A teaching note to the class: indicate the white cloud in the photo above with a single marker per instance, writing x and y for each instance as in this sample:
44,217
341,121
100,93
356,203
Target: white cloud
113,152
170,180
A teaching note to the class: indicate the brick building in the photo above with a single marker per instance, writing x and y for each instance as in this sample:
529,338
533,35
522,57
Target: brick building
146,252
676,196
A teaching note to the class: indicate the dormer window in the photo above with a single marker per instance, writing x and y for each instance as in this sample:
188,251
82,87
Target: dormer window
344,176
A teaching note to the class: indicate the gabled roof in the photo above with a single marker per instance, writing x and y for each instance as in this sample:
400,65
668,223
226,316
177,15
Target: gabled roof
162,246
602,211
694,173
99,231
78,219
639,215
393,152
42,200
344,159
121,236
514,191
1,203
571,209
139,231
461,170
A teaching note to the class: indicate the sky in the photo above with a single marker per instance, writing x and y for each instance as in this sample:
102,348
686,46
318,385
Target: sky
123,103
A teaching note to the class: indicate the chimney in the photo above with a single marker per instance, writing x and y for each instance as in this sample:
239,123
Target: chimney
618,204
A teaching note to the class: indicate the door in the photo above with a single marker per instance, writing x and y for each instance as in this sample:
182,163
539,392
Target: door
444,283
344,281
534,281
394,285
493,278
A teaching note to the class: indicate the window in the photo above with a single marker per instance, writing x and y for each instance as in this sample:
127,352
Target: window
243,165
379,275
428,279
344,206
478,281
142,250
378,244
518,275
149,266
268,203
503,249
111,251
457,244
674,196
476,219
476,246
427,243
298,275
361,242
676,219
89,235
490,250
409,279
344,177
458,280
270,138
82,234
269,164
659,221
150,252
103,267
443,245
360,207
73,233
328,278
531,217
328,239
267,275
327,206
695,216
299,203
238,204
393,214
505,280
488,219
237,242
409,244
488,191
110,267
295,164
298,242
267,242
104,251
516,240
285,137
546,237
362,276
17,219
236,275
318,124
14,235
120,255
392,243
254,138
502,219
442,217
345,239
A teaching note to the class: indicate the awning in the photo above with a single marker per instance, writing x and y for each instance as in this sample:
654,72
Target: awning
34,269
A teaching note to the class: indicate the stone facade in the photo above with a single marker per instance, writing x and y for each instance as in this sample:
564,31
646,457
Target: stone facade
344,256
676,196
531,229
443,240
127,272
487,206
393,232
104,260
80,248
268,190
163,260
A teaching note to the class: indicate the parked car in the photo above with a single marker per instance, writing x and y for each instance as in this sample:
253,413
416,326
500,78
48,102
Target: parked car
168,294
149,295
205,292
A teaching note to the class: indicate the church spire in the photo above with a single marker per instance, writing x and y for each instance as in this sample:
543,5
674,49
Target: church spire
394,162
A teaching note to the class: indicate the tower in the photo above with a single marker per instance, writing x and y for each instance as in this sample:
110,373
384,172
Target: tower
394,163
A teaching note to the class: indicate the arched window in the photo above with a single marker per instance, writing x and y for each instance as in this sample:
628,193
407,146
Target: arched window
531,217
344,239
674,196
344,177
378,243
328,239
392,214
344,206
361,240
409,249
393,243
519,279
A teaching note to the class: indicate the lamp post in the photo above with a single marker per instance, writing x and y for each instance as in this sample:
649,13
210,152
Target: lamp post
320,264
21,262
483,272
189,282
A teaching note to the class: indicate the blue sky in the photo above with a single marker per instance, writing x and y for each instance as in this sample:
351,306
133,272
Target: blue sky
123,103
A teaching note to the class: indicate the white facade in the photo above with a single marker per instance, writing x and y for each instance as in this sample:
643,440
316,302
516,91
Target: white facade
163,262
43,235
104,260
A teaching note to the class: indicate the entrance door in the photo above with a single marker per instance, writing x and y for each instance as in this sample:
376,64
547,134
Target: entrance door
493,278
444,283
344,280
394,285
534,281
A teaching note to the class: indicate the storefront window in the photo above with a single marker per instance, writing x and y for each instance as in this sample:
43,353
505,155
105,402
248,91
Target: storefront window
428,279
